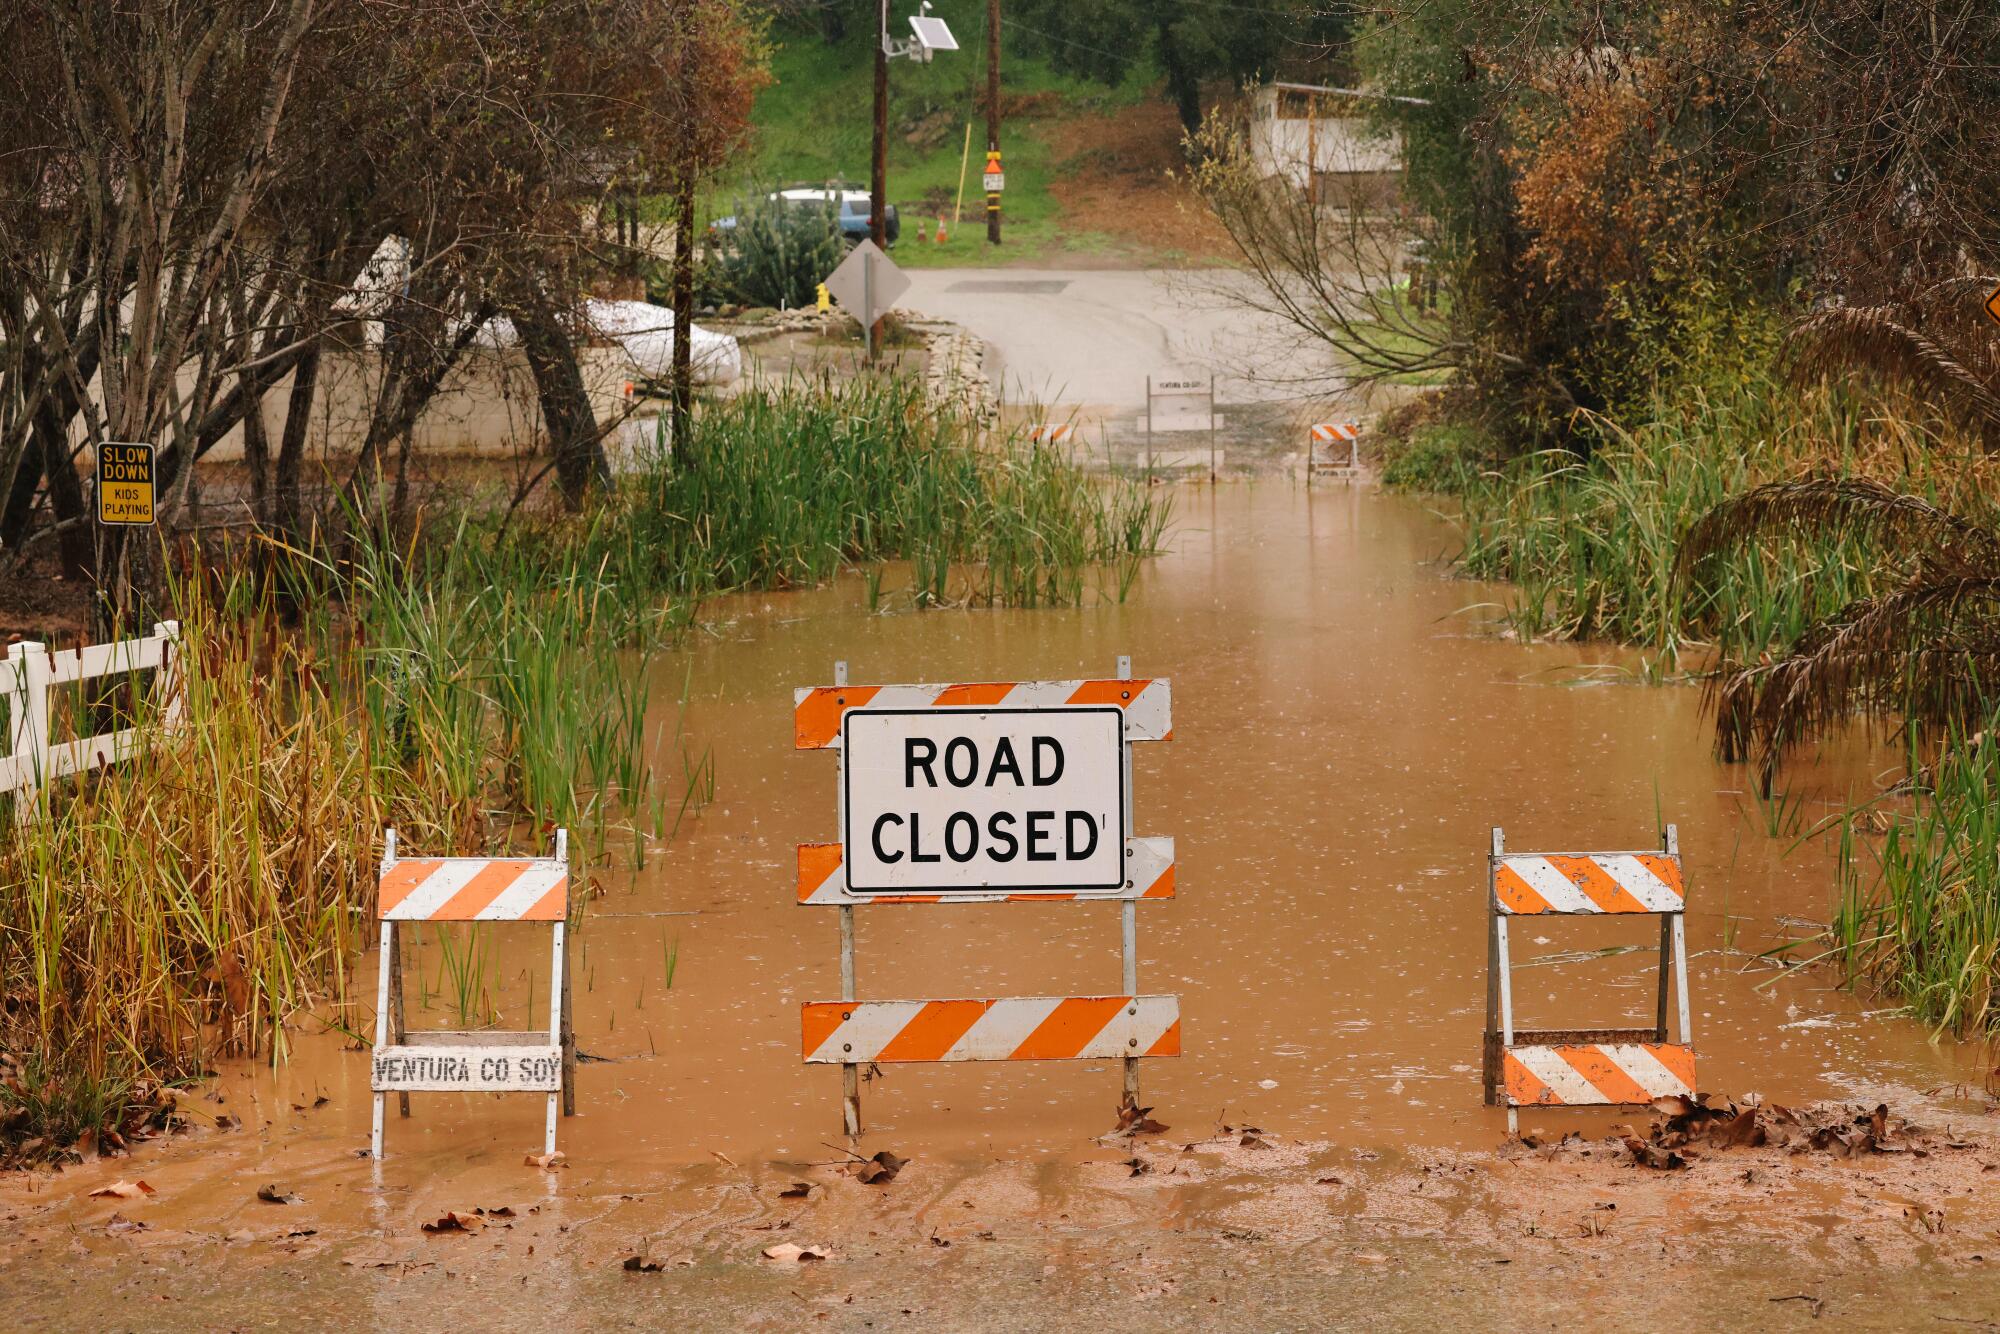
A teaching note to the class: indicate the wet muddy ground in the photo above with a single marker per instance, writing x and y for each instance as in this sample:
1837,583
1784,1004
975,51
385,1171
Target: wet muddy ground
1347,730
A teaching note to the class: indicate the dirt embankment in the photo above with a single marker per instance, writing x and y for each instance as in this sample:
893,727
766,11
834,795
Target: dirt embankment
1841,1213
1117,174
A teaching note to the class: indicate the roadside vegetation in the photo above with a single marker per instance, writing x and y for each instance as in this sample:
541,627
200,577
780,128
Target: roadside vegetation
1711,377
475,678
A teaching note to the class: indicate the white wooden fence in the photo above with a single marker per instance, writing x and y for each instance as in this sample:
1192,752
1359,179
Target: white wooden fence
28,680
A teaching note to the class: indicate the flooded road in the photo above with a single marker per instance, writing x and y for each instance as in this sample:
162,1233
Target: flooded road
1345,736
1346,732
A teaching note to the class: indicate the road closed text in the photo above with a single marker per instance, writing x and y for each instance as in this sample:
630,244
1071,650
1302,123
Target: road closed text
946,799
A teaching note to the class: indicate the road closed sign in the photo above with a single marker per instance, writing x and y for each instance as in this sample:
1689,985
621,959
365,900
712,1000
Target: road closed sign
970,800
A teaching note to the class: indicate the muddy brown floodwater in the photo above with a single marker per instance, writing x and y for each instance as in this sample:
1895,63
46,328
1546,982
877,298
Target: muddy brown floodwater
1347,728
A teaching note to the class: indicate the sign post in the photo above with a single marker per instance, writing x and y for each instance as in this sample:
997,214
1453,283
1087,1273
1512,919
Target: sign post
1181,401
990,792
867,284
124,484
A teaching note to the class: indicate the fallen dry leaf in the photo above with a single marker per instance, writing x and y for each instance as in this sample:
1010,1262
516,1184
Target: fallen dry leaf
786,1252
454,1221
122,1190
1650,1155
1138,1165
504,1211
798,1190
880,1170
1136,1120
546,1160
120,1223
1250,1141
270,1194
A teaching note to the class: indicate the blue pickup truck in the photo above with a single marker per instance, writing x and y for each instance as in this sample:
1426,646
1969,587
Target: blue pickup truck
849,209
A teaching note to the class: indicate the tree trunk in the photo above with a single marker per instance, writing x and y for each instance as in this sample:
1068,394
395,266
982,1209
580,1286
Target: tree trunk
1183,83
292,444
256,456
566,410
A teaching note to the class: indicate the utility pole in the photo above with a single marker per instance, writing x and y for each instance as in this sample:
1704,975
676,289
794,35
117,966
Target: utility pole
878,203
992,112
683,386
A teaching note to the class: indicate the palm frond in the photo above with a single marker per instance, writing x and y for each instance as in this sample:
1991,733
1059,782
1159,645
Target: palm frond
1927,653
1876,338
1829,509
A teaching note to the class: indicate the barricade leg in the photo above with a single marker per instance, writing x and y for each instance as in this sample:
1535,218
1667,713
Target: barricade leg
557,990
1666,976
382,1029
850,1075
568,1035
1506,1009
396,1022
1491,1056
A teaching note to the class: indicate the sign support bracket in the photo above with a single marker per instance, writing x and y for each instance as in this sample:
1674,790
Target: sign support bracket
1128,909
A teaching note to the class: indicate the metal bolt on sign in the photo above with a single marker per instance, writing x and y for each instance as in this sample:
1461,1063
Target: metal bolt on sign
474,889
1585,1067
985,792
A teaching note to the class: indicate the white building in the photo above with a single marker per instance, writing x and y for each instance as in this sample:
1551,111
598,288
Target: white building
1320,139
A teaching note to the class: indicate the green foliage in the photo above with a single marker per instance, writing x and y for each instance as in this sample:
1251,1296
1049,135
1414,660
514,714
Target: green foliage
1591,543
777,255
1923,921
1106,40
1442,457
795,484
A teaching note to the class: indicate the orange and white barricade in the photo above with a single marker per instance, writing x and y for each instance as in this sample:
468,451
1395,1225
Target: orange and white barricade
474,889
989,792
1051,433
1585,1067
1333,447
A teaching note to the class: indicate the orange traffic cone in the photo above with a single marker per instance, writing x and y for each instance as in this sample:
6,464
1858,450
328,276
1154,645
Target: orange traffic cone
940,235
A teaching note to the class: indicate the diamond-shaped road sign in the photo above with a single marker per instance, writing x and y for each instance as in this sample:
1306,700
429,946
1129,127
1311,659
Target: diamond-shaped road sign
867,283
1993,305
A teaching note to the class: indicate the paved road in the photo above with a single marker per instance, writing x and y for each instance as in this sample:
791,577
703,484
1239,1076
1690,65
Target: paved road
1084,341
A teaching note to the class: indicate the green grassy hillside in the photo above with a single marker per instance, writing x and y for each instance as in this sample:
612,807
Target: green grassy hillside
812,125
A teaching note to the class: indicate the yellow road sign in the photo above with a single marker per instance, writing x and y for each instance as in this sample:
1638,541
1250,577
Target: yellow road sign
125,484
1993,305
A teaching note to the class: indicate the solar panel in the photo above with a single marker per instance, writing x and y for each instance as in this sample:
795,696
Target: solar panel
932,34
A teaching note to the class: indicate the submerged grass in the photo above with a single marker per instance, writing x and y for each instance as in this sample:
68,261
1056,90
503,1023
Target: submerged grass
1919,908
1590,543
475,682
1590,547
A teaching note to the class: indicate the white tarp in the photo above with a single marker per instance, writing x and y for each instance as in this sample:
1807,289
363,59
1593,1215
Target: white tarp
646,333
643,330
